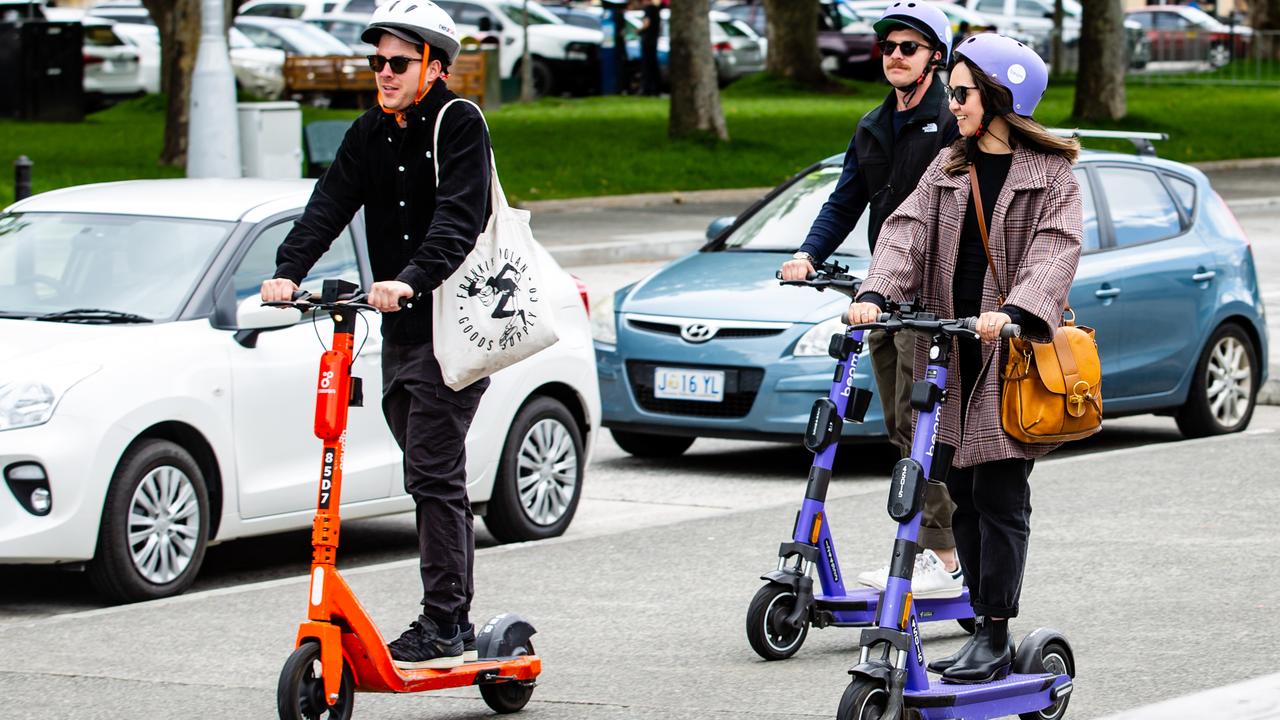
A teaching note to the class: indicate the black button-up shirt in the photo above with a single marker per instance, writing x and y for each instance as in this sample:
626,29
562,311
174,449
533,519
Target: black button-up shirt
417,233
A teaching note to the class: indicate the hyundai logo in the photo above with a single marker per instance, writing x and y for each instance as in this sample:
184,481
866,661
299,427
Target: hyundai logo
697,332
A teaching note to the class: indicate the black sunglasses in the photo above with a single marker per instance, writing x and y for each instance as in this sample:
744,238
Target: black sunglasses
959,93
908,47
399,63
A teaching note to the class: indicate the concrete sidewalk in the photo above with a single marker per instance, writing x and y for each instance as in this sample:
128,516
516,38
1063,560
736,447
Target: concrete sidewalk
1131,552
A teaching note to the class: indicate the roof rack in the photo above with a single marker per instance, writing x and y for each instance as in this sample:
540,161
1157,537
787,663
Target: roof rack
1141,140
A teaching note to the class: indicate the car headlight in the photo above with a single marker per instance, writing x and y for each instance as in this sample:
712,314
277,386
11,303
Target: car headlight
817,340
26,402
604,324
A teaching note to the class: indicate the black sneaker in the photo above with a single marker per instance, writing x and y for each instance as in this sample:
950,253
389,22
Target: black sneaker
469,653
421,647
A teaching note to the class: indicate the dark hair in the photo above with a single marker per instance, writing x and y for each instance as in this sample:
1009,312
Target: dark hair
997,101
431,52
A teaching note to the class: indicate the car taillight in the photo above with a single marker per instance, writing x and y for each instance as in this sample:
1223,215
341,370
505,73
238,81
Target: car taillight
1234,219
582,293
722,47
91,59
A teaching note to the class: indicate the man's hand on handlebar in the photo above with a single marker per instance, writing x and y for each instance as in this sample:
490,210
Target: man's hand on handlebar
797,269
862,312
989,324
278,290
385,295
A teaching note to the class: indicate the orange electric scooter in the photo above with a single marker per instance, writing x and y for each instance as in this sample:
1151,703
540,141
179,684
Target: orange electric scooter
339,649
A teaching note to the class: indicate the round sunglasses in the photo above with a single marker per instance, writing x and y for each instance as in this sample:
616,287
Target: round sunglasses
399,63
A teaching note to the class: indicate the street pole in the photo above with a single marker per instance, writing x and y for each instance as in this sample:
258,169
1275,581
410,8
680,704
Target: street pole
22,178
526,65
213,133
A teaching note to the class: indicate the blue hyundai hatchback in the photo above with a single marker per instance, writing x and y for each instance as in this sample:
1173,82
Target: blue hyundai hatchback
712,346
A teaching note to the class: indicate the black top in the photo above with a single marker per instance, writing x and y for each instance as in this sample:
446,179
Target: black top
417,233
649,36
971,261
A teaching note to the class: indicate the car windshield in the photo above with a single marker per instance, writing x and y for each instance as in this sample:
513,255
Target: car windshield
54,262
538,15
1200,17
311,40
781,225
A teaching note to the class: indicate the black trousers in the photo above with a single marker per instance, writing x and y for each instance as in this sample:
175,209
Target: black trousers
991,523
650,71
430,423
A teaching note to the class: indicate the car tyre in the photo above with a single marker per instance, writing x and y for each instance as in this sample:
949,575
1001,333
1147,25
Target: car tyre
539,480
155,525
1224,388
544,81
647,445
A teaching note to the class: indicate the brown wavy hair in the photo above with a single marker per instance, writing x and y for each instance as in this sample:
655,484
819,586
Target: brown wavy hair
997,101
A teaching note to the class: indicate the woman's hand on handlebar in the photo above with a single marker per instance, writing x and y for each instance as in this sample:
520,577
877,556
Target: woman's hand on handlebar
797,269
989,324
862,312
386,295
278,290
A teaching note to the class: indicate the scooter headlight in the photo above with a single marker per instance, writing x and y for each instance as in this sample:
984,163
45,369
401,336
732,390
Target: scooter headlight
817,340
26,402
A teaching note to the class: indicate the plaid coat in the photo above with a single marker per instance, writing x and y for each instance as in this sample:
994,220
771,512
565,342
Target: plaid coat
1035,245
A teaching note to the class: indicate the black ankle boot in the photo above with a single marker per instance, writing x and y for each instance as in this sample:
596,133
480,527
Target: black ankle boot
989,659
941,664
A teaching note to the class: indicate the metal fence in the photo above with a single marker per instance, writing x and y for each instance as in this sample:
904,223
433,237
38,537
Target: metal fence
1239,57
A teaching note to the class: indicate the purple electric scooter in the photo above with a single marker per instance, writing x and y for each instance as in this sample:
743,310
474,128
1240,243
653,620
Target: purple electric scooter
782,611
890,681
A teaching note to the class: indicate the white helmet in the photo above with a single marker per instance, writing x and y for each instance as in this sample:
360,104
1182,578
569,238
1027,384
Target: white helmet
414,21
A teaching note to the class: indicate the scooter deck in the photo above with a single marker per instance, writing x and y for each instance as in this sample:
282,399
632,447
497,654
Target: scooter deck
371,678
1012,695
858,607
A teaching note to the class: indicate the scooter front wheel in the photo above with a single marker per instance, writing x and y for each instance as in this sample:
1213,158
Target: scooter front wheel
300,693
767,629
510,696
864,699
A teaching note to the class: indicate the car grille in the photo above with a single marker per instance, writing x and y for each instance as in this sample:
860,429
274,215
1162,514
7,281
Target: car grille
724,329
741,385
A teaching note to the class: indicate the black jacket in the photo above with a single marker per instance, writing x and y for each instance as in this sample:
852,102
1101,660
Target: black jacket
417,233
880,171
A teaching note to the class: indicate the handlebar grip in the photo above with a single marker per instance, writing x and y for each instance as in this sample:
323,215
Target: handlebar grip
884,317
300,295
405,303
1010,331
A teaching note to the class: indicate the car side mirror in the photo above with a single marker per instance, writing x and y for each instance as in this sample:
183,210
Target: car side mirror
718,226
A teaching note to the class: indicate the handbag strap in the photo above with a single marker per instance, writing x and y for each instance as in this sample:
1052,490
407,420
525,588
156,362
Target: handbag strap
497,198
982,228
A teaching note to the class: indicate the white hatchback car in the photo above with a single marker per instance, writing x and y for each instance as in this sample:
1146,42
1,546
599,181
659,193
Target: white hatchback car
150,406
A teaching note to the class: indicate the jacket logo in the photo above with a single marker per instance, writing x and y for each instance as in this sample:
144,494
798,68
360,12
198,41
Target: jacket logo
930,128
507,294
697,332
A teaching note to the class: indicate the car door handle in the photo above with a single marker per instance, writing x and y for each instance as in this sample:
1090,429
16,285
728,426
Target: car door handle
1204,276
1106,293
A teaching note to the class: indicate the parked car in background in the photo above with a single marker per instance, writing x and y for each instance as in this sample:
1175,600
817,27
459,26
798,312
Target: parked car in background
126,12
112,66
294,37
583,17
258,70
305,9
564,58
846,39
347,27
146,40
737,49
1182,33
1166,278
141,298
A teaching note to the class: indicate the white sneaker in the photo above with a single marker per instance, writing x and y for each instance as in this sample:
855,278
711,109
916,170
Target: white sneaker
930,579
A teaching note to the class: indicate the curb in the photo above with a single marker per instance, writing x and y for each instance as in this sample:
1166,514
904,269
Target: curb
675,197
622,251
1256,699
1241,164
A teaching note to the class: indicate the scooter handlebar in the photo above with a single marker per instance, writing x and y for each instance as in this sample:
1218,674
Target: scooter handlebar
1007,331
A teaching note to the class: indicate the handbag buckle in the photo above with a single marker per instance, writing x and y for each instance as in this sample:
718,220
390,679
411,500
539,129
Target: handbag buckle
1075,401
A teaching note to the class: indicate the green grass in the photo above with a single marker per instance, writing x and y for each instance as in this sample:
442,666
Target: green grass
560,148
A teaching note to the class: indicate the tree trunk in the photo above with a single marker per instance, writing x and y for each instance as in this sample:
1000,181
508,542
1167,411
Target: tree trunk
1265,16
526,63
1057,53
179,24
695,100
792,28
1100,84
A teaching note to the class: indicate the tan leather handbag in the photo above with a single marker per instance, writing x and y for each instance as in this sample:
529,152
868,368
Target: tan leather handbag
1052,391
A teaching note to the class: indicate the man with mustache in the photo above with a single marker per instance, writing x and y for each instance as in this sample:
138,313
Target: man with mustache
890,149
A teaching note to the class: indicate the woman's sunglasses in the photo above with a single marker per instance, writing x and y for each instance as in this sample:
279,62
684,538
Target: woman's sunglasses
959,93
399,63
908,47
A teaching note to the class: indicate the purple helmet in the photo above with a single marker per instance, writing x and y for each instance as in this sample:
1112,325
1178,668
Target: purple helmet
920,16
1009,64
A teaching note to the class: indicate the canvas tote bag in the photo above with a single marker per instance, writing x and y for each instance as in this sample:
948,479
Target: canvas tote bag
496,309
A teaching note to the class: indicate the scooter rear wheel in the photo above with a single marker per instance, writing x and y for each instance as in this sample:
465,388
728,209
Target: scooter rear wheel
1055,659
767,631
510,696
300,693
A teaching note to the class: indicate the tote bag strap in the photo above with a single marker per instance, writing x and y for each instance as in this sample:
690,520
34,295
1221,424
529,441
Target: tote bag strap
497,198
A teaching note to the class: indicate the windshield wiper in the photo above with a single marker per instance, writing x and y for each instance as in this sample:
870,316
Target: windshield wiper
94,315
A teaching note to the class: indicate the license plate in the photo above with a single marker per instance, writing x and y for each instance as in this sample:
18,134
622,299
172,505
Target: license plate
682,384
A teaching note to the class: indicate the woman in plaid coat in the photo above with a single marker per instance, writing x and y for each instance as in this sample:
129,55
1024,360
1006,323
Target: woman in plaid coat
931,248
